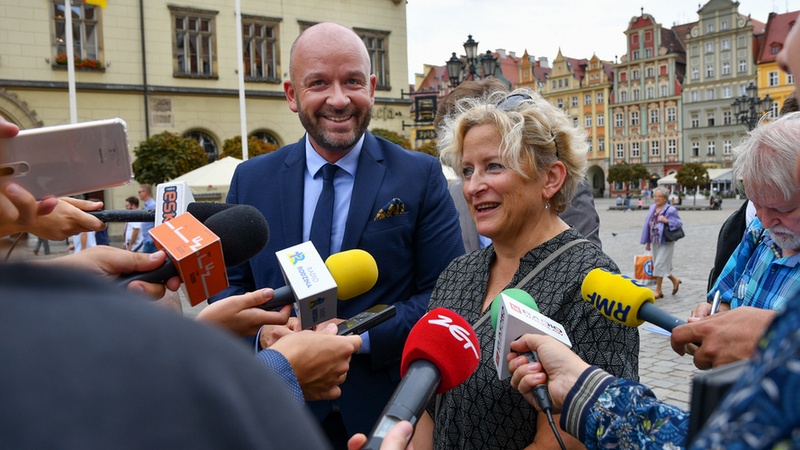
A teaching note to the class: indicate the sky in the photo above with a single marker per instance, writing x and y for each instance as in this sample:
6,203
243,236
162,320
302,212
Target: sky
436,28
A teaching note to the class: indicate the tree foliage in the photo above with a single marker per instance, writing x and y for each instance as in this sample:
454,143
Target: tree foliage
692,176
626,173
391,136
429,148
255,146
166,156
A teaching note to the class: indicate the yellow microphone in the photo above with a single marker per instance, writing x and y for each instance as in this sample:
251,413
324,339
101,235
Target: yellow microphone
623,300
355,272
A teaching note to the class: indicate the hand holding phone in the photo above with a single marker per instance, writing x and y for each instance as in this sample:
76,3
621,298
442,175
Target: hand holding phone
366,320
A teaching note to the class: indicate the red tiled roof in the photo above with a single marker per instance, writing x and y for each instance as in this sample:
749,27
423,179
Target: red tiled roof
778,26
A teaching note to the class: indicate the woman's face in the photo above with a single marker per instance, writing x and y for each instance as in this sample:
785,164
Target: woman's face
502,202
659,198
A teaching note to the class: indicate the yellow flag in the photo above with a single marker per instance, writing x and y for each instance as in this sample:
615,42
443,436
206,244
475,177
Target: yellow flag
100,3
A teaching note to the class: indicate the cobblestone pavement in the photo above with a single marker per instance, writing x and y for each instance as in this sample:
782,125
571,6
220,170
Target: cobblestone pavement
666,373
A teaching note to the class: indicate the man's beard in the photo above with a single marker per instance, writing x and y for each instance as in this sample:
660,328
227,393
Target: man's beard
321,137
787,238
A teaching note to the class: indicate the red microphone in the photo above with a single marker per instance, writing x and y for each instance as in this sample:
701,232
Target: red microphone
441,352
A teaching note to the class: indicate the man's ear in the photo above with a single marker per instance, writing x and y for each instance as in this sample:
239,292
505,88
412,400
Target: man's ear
291,95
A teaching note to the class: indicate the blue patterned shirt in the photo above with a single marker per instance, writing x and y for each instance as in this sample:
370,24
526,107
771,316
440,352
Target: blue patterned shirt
757,274
760,411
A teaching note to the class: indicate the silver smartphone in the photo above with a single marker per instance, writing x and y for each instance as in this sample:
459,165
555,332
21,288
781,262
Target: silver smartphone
68,159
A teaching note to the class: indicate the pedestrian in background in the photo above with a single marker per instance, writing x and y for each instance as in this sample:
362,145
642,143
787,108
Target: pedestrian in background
661,215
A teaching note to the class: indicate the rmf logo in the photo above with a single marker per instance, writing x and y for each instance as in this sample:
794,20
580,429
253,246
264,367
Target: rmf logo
296,258
169,203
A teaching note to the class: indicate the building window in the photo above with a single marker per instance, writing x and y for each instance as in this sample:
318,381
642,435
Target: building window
774,111
635,153
601,121
617,120
776,49
560,103
634,117
378,49
695,121
711,148
587,99
723,25
726,92
574,100
260,43
554,84
710,117
772,79
620,151
695,73
267,137
695,149
651,72
599,98
726,117
726,68
671,115
588,121
601,144
742,65
727,147
664,90
635,94
575,122
695,96
726,44
206,141
709,94
709,47
623,96
709,70
85,31
789,78
711,28
650,92
635,75
654,150
672,147
635,55
653,116
194,45
648,53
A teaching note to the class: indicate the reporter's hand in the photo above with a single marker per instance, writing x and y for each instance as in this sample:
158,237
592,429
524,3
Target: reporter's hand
110,262
239,314
563,368
67,219
701,310
725,337
19,209
397,438
320,360
271,333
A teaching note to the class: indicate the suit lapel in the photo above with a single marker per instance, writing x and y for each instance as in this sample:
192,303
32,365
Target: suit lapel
369,178
290,185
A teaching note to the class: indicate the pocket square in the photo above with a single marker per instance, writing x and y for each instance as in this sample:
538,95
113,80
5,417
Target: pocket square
393,208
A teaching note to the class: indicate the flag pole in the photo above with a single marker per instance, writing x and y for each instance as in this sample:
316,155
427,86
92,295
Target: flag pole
240,62
73,108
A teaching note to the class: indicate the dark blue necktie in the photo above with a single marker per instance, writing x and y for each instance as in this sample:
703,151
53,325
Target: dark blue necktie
323,215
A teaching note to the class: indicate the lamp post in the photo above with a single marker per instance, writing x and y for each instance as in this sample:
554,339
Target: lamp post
459,71
749,107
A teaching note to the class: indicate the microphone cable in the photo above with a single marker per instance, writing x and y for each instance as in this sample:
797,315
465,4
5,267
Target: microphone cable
542,397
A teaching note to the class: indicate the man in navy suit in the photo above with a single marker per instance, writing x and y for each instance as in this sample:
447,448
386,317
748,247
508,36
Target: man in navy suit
332,91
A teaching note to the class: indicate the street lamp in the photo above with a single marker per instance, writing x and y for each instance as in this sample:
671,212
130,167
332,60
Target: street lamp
748,108
458,70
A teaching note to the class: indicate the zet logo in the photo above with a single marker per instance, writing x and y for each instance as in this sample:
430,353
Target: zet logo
297,257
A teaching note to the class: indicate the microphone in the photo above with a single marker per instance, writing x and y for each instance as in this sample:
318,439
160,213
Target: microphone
241,230
201,211
540,392
623,300
353,273
440,353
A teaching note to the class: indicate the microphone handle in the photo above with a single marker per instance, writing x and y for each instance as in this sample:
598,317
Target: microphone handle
540,392
283,296
657,316
408,401
160,275
132,215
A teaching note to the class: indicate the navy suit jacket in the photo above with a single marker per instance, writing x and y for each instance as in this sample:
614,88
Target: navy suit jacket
410,249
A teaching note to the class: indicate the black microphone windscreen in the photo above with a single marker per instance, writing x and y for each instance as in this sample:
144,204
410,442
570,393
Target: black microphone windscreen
243,231
203,210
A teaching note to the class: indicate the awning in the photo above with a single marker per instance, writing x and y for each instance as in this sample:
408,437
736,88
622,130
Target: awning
669,179
714,176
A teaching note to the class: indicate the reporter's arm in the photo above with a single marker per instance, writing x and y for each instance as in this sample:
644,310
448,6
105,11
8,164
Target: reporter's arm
110,262
239,314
